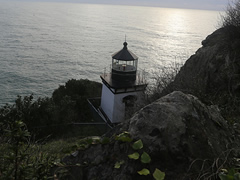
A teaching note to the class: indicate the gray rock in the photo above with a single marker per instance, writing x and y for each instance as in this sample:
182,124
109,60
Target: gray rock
212,73
176,130
180,126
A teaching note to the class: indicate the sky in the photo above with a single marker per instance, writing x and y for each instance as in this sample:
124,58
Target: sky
188,4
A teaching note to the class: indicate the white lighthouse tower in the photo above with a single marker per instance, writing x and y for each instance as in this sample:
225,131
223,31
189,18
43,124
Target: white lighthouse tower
122,86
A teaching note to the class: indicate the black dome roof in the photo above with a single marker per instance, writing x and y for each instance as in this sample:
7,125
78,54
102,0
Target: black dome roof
124,54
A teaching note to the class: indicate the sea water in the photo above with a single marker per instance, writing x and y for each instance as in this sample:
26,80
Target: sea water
42,45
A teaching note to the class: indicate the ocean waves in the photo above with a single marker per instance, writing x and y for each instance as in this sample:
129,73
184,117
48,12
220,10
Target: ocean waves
42,45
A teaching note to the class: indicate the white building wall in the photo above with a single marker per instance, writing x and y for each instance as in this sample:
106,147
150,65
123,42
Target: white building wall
107,101
119,106
113,105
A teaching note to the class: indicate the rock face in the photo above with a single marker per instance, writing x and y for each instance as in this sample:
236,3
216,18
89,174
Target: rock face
176,130
181,126
184,137
179,129
214,70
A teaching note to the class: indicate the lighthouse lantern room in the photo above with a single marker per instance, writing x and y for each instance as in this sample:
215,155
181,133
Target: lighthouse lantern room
121,86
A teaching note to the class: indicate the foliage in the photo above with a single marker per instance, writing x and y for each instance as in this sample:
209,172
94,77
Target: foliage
162,79
118,164
72,99
55,115
145,158
231,174
134,156
124,137
158,175
232,14
144,172
34,113
137,145
22,159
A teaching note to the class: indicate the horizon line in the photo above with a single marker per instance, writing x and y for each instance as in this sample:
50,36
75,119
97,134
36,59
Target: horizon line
119,4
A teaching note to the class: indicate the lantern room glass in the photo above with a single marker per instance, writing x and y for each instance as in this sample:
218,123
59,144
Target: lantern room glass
121,65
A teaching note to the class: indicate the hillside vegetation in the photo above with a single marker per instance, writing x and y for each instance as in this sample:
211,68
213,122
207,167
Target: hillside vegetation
177,136
55,116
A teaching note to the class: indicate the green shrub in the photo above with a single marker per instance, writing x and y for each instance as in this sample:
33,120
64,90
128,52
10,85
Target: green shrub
163,78
54,116
232,14
20,159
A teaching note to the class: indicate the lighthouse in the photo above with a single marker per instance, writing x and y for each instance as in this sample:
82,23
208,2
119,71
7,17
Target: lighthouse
122,86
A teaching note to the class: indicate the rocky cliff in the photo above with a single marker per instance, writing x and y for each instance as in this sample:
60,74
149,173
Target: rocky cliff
183,132
215,68
183,137
213,72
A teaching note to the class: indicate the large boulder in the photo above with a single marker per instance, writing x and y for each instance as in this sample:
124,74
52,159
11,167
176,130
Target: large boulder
182,135
178,129
213,72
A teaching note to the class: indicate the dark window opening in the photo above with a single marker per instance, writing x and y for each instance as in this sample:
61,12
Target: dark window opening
129,100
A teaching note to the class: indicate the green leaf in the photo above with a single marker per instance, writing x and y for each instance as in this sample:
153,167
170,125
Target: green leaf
137,145
124,137
158,175
105,140
145,158
134,156
118,164
144,172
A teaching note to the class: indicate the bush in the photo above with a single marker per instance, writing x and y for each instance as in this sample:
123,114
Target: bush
232,14
54,116
162,79
19,158
71,99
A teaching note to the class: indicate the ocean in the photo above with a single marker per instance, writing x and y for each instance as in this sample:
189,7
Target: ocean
43,45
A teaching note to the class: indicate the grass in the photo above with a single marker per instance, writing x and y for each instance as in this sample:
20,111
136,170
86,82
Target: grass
61,147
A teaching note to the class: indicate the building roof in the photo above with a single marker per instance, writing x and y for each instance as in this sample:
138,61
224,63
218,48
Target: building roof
124,54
